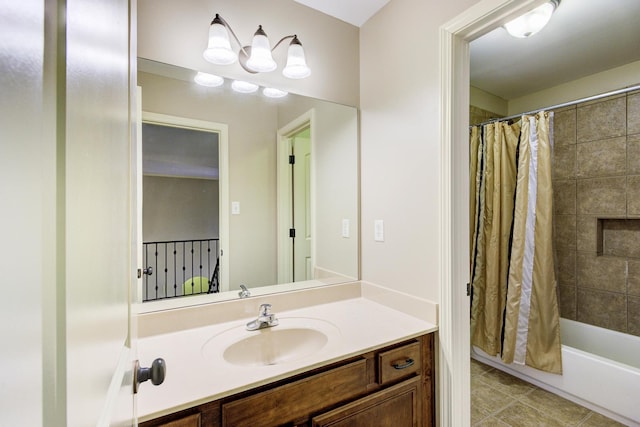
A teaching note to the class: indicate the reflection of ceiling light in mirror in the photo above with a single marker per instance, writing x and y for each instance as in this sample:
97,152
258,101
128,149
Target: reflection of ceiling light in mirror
206,79
271,92
532,22
243,87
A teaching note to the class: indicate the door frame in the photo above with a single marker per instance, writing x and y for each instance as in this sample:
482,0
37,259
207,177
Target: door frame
453,323
283,196
223,186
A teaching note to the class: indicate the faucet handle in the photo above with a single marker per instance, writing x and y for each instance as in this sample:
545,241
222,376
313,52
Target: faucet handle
265,309
244,292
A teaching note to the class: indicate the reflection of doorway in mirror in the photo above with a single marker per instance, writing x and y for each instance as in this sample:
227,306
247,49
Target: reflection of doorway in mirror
184,221
301,204
296,223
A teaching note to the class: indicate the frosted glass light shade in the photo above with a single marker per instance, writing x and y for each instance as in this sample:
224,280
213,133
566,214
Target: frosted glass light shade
272,92
261,59
531,22
219,50
244,87
209,80
296,67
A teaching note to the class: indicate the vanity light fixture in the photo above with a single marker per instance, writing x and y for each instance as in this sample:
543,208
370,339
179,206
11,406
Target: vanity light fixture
244,87
533,21
256,58
209,80
271,92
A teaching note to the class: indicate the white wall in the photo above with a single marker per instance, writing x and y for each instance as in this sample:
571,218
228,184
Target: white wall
176,33
400,119
27,179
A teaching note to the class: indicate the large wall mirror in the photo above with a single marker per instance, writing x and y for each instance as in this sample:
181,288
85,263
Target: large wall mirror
268,222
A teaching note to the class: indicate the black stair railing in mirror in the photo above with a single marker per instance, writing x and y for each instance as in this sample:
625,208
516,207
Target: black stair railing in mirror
180,268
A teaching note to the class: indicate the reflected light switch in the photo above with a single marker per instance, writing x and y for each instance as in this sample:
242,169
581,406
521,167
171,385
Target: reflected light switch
345,228
235,208
378,230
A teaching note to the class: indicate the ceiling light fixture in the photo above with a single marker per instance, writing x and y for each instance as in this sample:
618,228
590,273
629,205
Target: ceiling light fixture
256,58
533,21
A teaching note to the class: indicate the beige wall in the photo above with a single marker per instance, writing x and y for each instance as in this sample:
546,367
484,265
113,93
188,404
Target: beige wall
606,81
176,33
488,102
179,208
336,181
400,102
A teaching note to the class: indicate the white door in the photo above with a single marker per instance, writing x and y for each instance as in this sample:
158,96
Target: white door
99,244
301,191
295,200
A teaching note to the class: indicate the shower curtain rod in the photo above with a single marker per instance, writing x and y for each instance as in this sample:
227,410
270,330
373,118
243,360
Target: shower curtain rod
566,104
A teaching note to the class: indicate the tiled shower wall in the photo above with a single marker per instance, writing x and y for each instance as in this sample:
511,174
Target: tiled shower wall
597,206
477,115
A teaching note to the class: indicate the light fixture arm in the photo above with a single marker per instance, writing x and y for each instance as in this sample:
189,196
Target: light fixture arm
292,36
220,20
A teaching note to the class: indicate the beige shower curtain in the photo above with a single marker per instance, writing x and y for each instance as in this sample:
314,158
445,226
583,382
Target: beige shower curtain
514,310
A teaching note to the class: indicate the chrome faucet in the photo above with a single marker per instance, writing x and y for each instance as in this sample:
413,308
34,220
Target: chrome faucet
244,293
265,319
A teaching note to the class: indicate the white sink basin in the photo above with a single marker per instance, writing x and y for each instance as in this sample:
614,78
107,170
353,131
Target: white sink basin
293,339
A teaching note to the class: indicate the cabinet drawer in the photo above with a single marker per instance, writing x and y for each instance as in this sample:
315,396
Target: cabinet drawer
399,363
290,402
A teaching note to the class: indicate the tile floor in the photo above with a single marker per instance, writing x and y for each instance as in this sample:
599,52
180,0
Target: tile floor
501,400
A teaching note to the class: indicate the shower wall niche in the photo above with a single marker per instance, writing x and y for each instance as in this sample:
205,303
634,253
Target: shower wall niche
597,211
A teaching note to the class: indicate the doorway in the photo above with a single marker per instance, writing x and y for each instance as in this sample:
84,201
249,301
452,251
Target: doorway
454,333
185,204
301,237
295,201
456,37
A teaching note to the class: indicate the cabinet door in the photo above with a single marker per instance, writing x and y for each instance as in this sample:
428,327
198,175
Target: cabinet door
397,406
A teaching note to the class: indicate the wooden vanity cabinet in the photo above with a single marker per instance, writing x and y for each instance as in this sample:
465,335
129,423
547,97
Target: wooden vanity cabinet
392,386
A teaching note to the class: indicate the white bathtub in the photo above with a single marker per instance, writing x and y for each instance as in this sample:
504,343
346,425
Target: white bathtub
601,371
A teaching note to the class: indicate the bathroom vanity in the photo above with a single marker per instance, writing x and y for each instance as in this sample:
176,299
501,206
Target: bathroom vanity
351,361
392,385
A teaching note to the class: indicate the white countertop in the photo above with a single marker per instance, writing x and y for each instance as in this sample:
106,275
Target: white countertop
195,376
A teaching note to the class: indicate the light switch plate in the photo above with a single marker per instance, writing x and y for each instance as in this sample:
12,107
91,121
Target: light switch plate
345,228
378,230
235,208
